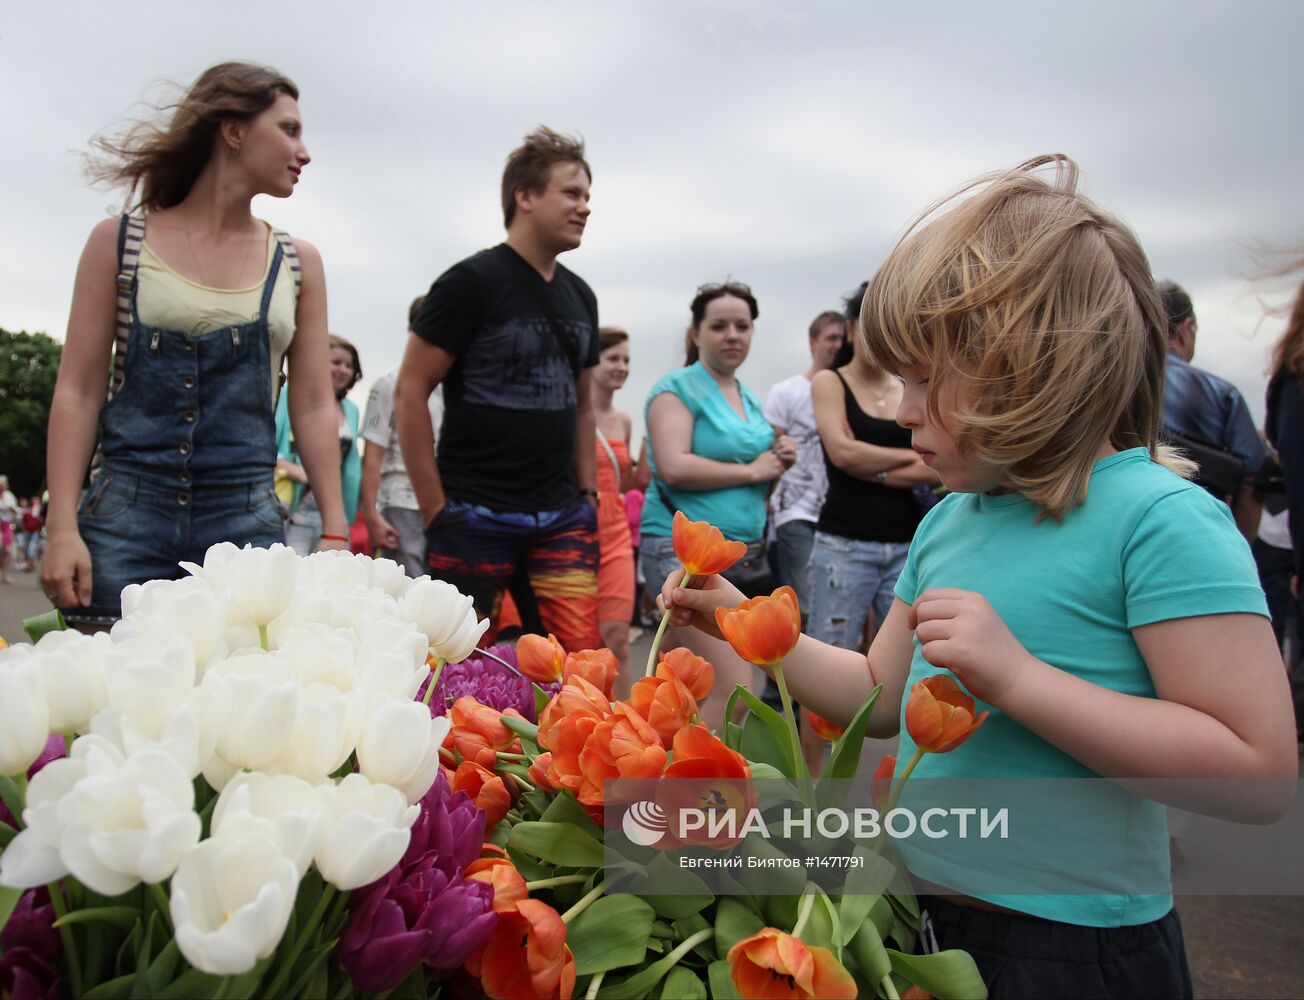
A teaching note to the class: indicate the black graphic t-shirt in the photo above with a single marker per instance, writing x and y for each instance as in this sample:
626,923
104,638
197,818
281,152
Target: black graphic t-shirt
508,436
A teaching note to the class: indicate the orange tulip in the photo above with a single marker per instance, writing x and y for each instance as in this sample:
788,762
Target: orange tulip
501,876
485,789
880,786
577,695
565,726
696,673
701,548
623,745
597,666
762,630
822,727
939,714
526,956
540,659
771,963
538,773
664,702
722,783
478,732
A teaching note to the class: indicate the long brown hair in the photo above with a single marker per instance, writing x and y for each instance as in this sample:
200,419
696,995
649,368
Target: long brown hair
1045,306
1288,354
160,162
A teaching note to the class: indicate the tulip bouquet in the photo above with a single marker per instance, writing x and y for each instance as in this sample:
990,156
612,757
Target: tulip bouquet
236,792
565,926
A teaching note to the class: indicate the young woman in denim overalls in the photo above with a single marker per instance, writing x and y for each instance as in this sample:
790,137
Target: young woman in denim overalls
197,302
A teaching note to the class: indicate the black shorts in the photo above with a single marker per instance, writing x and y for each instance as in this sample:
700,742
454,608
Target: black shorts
1025,956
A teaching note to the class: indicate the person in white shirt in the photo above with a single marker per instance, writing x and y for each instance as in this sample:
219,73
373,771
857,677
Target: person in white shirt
389,504
799,495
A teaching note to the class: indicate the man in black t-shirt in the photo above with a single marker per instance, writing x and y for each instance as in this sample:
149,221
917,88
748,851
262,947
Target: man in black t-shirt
512,334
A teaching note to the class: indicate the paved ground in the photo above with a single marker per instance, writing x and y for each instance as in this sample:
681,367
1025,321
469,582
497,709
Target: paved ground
1238,946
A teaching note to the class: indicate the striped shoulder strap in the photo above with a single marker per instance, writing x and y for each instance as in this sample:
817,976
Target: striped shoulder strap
291,256
131,234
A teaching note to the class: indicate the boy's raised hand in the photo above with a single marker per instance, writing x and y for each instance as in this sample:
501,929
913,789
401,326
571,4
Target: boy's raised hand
960,632
696,606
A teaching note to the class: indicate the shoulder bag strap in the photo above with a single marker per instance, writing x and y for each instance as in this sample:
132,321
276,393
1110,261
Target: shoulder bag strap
131,234
615,462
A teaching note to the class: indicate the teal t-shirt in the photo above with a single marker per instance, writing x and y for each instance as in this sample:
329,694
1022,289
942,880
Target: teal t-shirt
1145,546
720,434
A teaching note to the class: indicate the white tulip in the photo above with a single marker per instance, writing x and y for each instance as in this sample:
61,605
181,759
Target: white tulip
399,746
352,607
286,809
231,901
368,828
318,654
251,703
127,821
260,581
324,733
437,608
393,675
32,858
182,734
307,609
24,715
72,670
189,608
462,641
322,569
389,576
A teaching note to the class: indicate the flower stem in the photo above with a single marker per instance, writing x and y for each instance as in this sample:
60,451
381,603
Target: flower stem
803,913
525,785
60,906
548,883
889,987
310,927
688,945
661,632
262,637
592,992
582,905
790,715
900,782
504,755
164,906
440,663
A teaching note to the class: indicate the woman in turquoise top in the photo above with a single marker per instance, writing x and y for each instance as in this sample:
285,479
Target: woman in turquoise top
714,455
303,532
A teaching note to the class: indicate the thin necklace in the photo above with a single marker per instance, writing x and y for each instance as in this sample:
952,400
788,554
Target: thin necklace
880,400
249,245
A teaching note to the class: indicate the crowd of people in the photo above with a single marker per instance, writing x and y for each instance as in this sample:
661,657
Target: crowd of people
494,458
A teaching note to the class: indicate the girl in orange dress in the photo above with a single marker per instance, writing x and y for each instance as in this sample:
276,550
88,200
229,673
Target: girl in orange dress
616,473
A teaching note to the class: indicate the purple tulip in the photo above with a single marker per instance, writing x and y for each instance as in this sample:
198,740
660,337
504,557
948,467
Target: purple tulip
28,970
488,682
55,747
422,910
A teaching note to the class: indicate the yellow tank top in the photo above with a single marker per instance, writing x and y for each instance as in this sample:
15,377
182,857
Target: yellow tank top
166,299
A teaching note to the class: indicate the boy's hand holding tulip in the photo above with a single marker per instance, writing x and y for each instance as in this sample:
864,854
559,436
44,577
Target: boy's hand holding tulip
959,631
697,606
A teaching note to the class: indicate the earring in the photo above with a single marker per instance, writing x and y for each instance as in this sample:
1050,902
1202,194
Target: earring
235,150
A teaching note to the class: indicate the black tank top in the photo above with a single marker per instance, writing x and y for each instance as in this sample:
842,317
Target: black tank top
868,511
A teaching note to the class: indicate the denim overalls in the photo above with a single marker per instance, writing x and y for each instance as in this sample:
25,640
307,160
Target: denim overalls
188,448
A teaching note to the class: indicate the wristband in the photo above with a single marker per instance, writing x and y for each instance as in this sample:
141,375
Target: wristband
334,538
880,477
589,493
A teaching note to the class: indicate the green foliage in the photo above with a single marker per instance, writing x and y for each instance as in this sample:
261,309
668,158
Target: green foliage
29,363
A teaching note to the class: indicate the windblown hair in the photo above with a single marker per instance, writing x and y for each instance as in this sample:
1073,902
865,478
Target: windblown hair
1288,355
162,161
1045,307
529,165
610,336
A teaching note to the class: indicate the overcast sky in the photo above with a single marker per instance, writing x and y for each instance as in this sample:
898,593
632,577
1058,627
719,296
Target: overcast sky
784,144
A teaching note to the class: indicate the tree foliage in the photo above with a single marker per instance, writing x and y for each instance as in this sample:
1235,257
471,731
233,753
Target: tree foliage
28,365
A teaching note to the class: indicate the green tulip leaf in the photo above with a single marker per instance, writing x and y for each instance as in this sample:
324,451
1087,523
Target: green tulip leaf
734,921
118,916
765,735
737,731
733,735
866,947
541,699
112,989
163,969
948,975
823,929
560,843
611,932
683,984
564,809
11,796
39,625
722,984
523,728
845,756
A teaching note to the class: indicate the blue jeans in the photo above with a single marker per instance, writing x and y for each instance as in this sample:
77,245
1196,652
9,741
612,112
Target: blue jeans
847,577
795,541
139,529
